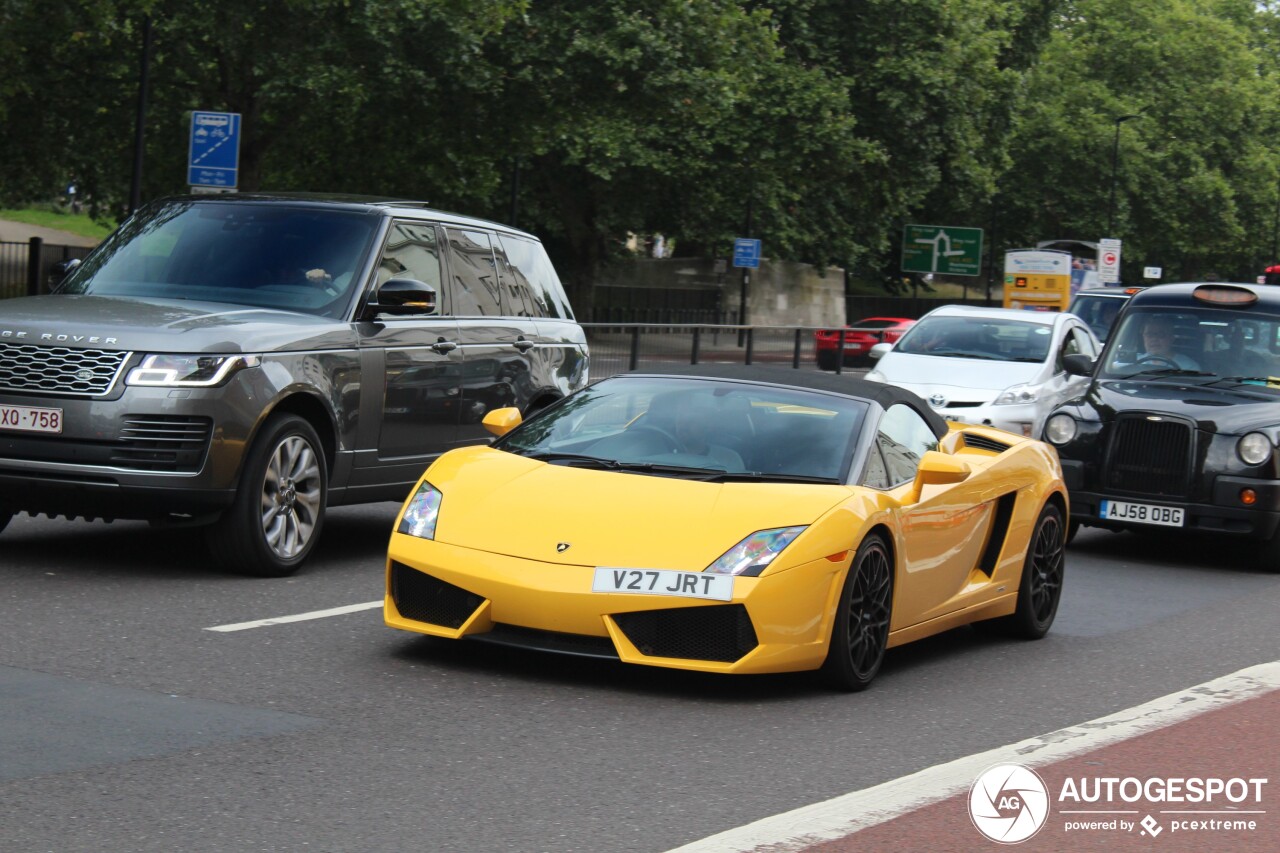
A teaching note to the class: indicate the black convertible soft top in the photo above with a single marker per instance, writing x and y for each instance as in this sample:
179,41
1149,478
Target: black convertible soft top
813,380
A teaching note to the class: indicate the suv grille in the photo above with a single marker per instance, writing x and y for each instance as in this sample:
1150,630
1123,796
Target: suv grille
1150,457
721,632
162,442
423,598
30,369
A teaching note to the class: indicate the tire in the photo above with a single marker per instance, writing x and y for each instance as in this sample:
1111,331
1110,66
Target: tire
1268,554
860,633
1040,588
279,508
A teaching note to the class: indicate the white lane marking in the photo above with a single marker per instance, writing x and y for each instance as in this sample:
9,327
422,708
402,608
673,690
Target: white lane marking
836,818
298,617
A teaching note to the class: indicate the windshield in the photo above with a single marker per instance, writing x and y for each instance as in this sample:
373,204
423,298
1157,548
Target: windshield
1213,342
978,338
1099,312
710,429
268,256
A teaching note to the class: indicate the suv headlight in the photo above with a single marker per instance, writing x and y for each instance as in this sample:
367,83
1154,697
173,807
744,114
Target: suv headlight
421,512
188,371
1017,395
1254,448
752,555
1060,428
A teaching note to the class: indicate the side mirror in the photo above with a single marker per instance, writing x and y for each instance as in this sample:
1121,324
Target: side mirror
406,296
937,469
878,351
1078,364
61,270
502,421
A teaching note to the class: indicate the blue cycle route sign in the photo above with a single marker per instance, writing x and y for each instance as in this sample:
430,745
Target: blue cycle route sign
214,159
746,252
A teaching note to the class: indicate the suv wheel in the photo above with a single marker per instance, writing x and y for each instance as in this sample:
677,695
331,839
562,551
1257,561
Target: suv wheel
279,506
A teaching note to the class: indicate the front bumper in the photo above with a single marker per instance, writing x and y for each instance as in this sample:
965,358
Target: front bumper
776,623
1225,513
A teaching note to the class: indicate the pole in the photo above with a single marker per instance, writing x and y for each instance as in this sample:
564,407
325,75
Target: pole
746,271
515,190
1115,159
135,186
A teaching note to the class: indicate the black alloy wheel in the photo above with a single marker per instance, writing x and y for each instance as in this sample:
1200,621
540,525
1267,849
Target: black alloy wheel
1040,589
860,634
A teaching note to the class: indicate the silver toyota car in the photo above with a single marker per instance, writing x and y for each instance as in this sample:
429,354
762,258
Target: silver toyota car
244,362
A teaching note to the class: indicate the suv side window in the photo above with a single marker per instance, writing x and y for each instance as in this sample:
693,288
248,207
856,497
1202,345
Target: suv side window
412,251
903,438
533,274
473,275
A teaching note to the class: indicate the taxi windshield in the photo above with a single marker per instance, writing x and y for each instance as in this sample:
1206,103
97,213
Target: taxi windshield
1159,341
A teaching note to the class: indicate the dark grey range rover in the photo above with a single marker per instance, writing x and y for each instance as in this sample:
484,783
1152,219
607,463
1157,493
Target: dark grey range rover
244,362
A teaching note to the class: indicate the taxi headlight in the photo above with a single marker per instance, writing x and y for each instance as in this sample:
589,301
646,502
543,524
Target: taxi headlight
421,512
750,556
188,371
1254,448
1060,428
1016,395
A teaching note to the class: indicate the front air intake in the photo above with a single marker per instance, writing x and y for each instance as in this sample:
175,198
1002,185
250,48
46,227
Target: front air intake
423,598
717,632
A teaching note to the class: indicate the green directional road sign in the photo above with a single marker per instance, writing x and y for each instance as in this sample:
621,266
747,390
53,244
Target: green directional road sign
942,249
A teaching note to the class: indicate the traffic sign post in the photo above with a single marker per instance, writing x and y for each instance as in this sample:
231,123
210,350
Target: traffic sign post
214,150
746,252
942,249
1109,260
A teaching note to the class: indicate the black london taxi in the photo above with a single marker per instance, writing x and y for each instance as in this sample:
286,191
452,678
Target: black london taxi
242,363
1179,426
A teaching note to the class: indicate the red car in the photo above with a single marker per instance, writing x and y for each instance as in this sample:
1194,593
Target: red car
858,339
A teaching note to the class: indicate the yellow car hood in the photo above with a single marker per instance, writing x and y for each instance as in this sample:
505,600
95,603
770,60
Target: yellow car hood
508,504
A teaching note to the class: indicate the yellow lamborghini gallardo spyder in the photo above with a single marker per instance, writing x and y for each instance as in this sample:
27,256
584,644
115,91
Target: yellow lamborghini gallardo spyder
731,519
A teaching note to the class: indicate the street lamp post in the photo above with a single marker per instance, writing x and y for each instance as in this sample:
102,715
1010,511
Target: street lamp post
1115,157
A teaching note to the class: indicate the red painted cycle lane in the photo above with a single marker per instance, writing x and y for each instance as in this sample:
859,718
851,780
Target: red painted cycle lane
1238,742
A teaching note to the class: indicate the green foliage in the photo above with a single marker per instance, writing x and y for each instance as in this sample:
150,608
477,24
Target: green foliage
820,126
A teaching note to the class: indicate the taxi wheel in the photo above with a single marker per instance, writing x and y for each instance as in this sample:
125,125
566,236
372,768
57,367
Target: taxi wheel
1040,589
1268,554
278,511
860,634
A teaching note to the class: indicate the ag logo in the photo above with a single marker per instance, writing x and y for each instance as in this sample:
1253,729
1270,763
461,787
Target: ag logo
1009,803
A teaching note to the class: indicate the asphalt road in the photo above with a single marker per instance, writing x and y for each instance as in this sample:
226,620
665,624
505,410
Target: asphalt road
128,726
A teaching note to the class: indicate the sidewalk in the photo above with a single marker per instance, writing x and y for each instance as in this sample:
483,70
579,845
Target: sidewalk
20,232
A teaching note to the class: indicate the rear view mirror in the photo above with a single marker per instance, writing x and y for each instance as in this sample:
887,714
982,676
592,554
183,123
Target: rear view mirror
1078,364
937,469
502,421
406,296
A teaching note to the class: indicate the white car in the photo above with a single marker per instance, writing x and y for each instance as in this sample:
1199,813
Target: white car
999,367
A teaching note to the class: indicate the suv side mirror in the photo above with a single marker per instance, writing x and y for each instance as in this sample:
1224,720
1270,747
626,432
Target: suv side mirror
1078,364
61,270
406,296
879,350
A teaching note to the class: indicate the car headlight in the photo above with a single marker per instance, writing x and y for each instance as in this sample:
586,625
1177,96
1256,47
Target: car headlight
1017,395
874,376
750,556
1060,428
188,371
1254,448
421,512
